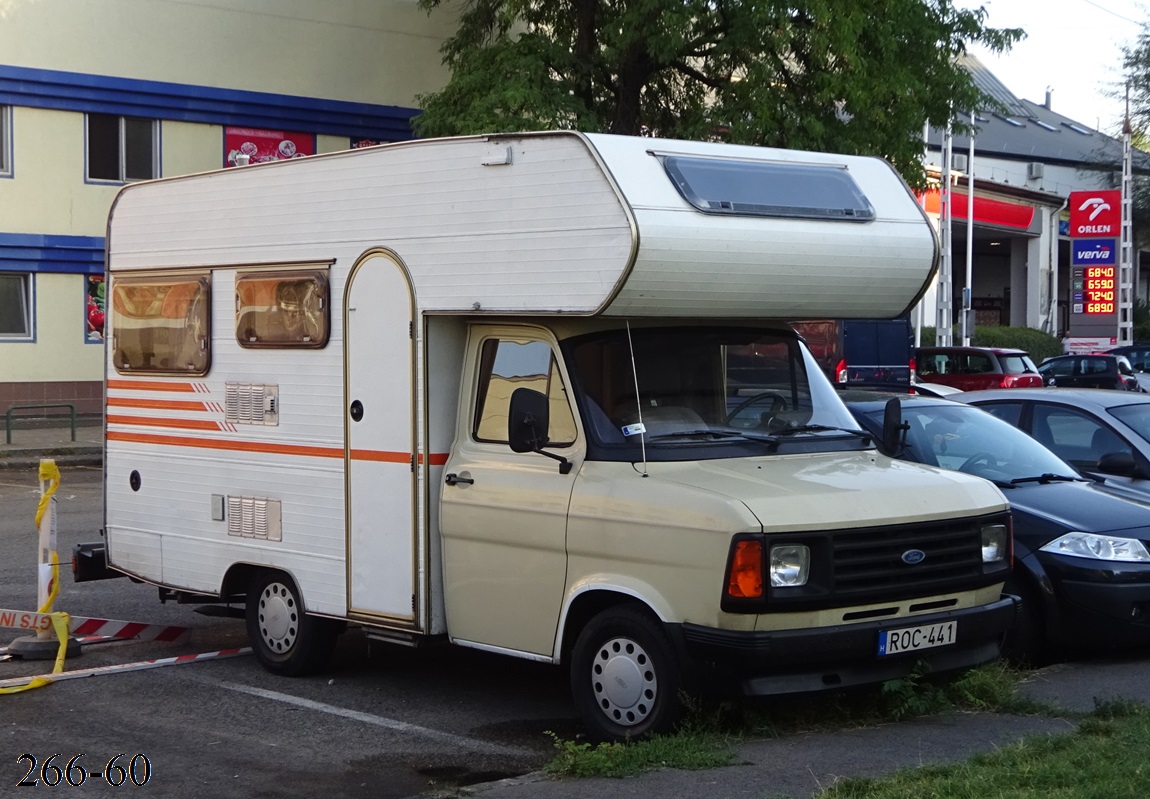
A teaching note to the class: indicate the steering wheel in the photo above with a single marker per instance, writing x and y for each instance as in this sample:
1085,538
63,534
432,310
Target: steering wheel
777,404
985,458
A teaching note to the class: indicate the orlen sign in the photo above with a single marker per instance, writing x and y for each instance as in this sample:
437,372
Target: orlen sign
1095,214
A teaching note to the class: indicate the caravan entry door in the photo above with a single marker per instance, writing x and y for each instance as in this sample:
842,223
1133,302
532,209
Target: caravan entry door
380,419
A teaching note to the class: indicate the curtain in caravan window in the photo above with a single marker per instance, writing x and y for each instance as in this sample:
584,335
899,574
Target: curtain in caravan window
161,324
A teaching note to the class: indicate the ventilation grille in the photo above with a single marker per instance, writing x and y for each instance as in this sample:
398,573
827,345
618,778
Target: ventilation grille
255,517
251,403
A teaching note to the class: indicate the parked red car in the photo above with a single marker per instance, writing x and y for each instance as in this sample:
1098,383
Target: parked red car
975,368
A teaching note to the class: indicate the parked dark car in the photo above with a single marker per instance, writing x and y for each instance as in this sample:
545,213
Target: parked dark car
1137,354
975,368
1081,555
1101,433
1089,371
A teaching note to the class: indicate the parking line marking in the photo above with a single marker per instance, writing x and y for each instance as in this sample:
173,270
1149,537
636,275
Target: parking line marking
472,744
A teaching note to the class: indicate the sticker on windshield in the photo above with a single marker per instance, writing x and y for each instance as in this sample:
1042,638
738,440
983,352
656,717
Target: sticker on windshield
633,429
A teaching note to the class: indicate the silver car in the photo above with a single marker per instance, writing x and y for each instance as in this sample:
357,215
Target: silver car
1102,433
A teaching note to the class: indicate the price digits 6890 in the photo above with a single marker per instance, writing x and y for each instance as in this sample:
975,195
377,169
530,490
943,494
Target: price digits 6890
117,772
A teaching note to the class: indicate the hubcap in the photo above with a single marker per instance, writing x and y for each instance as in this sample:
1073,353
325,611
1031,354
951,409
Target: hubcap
278,617
623,679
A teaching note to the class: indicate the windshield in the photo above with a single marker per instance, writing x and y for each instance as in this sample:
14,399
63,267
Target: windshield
704,389
967,439
1136,417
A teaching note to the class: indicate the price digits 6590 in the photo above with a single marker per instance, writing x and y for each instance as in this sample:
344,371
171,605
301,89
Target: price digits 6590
117,772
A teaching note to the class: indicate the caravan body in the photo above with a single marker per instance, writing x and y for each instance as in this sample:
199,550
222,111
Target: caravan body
313,366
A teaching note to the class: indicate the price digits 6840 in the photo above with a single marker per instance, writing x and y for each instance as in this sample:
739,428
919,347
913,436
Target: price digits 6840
120,770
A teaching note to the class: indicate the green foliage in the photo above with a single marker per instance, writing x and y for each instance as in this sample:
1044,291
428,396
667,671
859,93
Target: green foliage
688,749
861,78
1038,344
1104,759
707,736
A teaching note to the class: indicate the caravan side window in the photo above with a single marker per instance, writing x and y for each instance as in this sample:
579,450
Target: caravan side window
283,309
160,324
507,365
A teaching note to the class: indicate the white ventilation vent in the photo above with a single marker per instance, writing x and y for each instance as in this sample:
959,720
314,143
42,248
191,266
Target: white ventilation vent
255,517
251,403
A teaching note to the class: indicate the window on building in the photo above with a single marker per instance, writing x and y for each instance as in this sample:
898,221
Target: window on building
282,309
122,148
15,306
5,140
161,324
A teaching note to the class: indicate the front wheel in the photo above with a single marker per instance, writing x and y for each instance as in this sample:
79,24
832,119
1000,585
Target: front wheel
285,639
624,676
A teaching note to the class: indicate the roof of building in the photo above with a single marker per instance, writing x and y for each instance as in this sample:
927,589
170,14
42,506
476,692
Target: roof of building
1030,131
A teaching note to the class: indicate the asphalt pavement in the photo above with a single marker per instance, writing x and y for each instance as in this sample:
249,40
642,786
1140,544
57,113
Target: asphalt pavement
793,766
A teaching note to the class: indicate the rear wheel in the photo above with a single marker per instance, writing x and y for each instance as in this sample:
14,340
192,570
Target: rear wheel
285,639
624,676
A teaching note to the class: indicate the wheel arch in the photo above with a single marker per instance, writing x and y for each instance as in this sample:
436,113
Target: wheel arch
590,598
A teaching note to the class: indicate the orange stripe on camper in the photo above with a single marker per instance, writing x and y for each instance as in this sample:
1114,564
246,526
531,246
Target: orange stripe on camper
152,421
379,456
148,385
157,404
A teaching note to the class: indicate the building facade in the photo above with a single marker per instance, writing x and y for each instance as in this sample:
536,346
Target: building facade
97,93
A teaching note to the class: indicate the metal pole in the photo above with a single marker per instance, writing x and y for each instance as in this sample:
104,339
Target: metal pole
969,290
944,316
1126,268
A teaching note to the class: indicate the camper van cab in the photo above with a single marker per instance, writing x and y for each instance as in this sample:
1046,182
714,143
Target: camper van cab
536,394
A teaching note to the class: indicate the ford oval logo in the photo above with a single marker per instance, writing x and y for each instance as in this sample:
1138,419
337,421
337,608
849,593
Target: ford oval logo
913,556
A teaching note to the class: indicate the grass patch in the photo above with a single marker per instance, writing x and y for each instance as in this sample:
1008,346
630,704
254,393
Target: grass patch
1104,759
712,729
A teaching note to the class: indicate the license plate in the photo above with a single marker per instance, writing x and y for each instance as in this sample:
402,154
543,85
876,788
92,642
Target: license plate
911,639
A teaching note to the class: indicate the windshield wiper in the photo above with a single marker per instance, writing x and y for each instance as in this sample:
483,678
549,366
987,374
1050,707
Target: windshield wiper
1049,477
818,428
774,442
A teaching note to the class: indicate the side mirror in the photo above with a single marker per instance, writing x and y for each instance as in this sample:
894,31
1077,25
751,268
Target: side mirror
1119,463
893,426
528,420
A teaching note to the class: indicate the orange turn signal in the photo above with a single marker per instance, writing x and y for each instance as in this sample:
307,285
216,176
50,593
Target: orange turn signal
746,580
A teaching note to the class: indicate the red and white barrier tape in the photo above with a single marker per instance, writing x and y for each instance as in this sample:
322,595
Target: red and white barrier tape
179,660
80,626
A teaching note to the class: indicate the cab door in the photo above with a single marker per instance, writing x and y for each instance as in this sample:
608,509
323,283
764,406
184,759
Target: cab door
503,515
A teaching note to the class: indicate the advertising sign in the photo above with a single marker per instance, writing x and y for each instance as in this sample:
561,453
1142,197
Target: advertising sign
1095,214
1094,251
254,146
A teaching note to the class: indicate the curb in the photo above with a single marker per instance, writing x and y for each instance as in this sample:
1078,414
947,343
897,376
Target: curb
93,456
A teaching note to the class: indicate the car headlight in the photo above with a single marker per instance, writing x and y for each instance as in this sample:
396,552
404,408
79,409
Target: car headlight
995,543
790,565
1099,547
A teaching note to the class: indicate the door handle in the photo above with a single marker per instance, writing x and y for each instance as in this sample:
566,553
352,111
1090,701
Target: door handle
454,479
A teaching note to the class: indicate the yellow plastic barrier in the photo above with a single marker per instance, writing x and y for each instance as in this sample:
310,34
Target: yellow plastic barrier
50,474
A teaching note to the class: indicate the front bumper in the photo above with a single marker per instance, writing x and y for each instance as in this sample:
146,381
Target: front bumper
1096,603
766,663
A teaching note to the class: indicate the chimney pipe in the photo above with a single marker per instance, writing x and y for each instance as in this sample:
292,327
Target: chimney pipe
1049,91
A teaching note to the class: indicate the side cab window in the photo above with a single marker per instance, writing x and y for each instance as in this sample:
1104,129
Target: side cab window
507,364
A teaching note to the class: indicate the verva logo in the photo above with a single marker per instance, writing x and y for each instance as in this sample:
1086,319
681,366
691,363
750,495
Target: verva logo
1095,214
1090,251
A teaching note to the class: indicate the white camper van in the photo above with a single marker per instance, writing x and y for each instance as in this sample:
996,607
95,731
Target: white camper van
535,394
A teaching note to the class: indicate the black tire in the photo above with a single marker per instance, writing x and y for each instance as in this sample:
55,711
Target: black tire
286,640
625,679
1025,644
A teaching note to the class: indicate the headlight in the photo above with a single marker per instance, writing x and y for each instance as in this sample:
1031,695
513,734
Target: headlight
790,565
1099,547
995,543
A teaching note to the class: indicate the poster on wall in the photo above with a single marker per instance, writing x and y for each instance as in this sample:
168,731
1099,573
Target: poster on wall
253,145
94,309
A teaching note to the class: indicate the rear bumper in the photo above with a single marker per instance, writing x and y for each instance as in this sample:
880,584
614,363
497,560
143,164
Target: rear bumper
767,663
